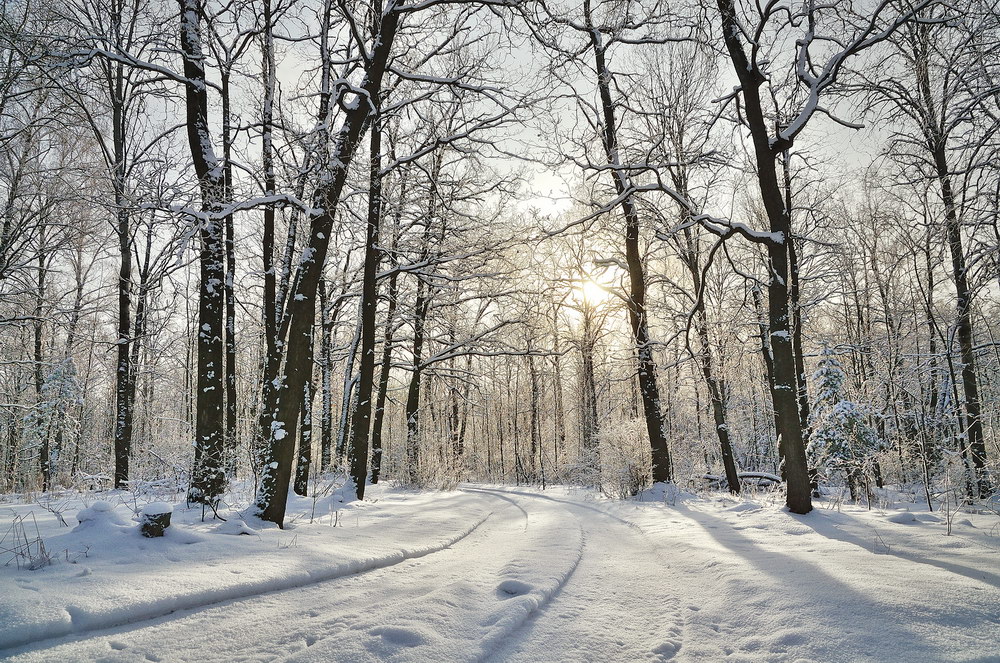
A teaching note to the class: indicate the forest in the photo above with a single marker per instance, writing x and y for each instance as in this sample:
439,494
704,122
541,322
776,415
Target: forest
605,243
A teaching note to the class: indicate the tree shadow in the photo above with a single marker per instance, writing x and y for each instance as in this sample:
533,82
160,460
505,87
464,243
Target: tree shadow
825,527
843,623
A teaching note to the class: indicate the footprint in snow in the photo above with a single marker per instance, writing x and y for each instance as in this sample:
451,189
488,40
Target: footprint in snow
667,650
511,588
398,635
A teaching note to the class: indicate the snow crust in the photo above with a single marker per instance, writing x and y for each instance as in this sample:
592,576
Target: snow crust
510,574
157,508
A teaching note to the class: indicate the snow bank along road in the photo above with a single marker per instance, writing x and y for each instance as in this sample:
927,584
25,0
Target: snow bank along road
500,574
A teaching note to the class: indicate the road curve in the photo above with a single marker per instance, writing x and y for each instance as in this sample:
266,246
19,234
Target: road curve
542,579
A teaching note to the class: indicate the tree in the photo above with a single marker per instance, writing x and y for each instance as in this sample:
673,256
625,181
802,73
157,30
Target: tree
208,480
601,32
841,437
816,68
933,92
100,32
356,105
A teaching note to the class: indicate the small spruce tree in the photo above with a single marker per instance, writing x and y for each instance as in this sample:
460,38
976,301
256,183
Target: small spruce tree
841,439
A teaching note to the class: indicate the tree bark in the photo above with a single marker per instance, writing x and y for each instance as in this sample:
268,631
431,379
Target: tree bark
304,461
413,391
691,258
361,419
279,451
785,392
385,367
648,389
38,328
208,479
326,379
229,436
123,370
590,426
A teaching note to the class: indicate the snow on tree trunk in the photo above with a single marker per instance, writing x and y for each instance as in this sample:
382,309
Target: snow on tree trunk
208,479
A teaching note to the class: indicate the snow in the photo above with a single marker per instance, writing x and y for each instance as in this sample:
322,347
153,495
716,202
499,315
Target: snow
512,574
156,509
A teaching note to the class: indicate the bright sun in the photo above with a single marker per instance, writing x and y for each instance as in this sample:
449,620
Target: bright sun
593,292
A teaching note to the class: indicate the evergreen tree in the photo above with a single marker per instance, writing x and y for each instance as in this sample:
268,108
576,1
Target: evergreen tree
841,439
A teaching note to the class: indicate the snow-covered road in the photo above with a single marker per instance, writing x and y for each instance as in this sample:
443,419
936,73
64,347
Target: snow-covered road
561,576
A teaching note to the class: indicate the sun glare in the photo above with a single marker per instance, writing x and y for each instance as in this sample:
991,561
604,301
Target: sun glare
593,292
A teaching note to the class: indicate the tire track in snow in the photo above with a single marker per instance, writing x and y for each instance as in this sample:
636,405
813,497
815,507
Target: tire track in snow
483,491
529,609
498,583
282,624
578,625
81,623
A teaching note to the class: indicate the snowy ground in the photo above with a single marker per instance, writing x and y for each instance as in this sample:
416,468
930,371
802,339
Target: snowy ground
506,574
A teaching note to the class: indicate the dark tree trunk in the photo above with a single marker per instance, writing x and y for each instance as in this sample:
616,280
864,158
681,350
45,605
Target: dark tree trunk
326,378
38,329
13,441
346,401
208,480
230,441
975,440
123,370
715,391
280,430
384,372
536,432
795,306
765,352
361,419
139,326
590,426
421,307
269,313
766,151
648,389
304,461
413,391
557,389
71,332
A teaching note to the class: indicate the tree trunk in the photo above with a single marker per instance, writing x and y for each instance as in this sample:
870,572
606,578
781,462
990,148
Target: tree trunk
326,379
208,479
590,426
279,449
413,391
536,432
123,370
385,370
304,461
350,382
38,328
361,419
229,436
659,450
801,389
785,393
692,259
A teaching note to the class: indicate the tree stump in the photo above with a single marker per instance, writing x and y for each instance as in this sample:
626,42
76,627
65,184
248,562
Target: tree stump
154,519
